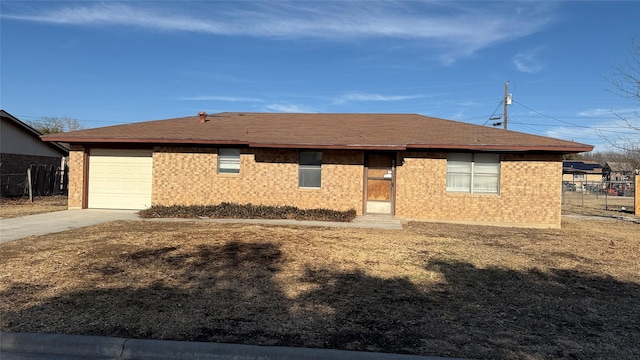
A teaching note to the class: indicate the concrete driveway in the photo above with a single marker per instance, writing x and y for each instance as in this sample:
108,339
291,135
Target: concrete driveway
40,224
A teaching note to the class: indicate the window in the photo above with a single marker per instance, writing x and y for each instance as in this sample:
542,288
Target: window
228,161
310,169
473,173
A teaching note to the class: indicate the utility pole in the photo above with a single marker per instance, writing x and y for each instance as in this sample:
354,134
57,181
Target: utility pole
507,101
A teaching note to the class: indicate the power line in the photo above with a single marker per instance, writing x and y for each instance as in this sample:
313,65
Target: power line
550,117
494,112
594,128
589,127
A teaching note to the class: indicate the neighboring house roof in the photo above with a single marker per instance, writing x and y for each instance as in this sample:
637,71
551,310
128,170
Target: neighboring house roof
620,166
329,131
31,132
581,167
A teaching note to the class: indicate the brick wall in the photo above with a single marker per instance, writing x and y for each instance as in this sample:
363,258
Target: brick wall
76,177
586,178
189,176
19,163
530,192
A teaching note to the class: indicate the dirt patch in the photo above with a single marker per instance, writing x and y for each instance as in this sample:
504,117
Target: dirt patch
16,207
430,289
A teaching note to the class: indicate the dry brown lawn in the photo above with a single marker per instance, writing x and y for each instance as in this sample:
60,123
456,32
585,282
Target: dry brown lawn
596,211
16,207
431,289
598,204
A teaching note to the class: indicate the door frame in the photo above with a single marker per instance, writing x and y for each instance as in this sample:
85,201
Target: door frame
394,156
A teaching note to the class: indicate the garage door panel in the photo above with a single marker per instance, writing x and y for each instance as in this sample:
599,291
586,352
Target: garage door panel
120,179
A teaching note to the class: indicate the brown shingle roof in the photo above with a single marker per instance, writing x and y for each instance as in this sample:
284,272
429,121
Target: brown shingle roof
336,131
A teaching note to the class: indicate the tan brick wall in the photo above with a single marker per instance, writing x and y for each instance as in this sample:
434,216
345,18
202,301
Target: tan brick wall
188,176
591,178
530,191
76,174
182,176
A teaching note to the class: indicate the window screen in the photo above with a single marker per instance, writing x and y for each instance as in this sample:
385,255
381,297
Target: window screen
473,173
310,169
229,161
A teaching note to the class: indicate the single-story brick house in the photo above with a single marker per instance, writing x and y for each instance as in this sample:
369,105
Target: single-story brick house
578,171
405,165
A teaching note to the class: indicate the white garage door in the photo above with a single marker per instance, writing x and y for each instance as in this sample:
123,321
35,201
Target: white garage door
120,179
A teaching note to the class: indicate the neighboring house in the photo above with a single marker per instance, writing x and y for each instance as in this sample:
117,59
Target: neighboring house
21,146
620,171
577,172
406,165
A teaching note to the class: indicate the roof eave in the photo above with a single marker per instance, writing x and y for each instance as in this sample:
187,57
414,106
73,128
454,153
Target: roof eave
331,147
142,141
379,147
88,140
514,148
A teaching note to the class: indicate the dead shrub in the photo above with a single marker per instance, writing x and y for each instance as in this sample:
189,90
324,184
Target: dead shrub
227,210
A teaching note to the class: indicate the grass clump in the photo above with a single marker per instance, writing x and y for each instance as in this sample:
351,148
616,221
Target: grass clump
227,210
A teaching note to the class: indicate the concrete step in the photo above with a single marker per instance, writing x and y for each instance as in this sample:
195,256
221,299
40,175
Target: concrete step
378,221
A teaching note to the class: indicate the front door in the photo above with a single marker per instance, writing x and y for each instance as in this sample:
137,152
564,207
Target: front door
379,185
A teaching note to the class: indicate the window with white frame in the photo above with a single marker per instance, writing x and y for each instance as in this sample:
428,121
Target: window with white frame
473,173
228,161
310,169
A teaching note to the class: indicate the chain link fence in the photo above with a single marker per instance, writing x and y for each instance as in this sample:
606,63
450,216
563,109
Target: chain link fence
606,195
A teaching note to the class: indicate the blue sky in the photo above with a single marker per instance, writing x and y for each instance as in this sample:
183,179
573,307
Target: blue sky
107,63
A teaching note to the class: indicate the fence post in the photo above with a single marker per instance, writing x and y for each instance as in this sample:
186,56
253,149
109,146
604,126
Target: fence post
29,184
65,180
636,196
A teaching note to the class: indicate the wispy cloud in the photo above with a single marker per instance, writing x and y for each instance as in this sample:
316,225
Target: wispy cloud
372,97
453,29
529,61
607,112
221,98
584,134
288,108
458,115
595,112
601,134
590,135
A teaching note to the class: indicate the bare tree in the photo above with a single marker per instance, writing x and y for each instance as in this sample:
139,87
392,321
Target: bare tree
625,80
52,125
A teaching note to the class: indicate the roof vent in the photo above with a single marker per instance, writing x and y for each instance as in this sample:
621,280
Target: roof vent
203,117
